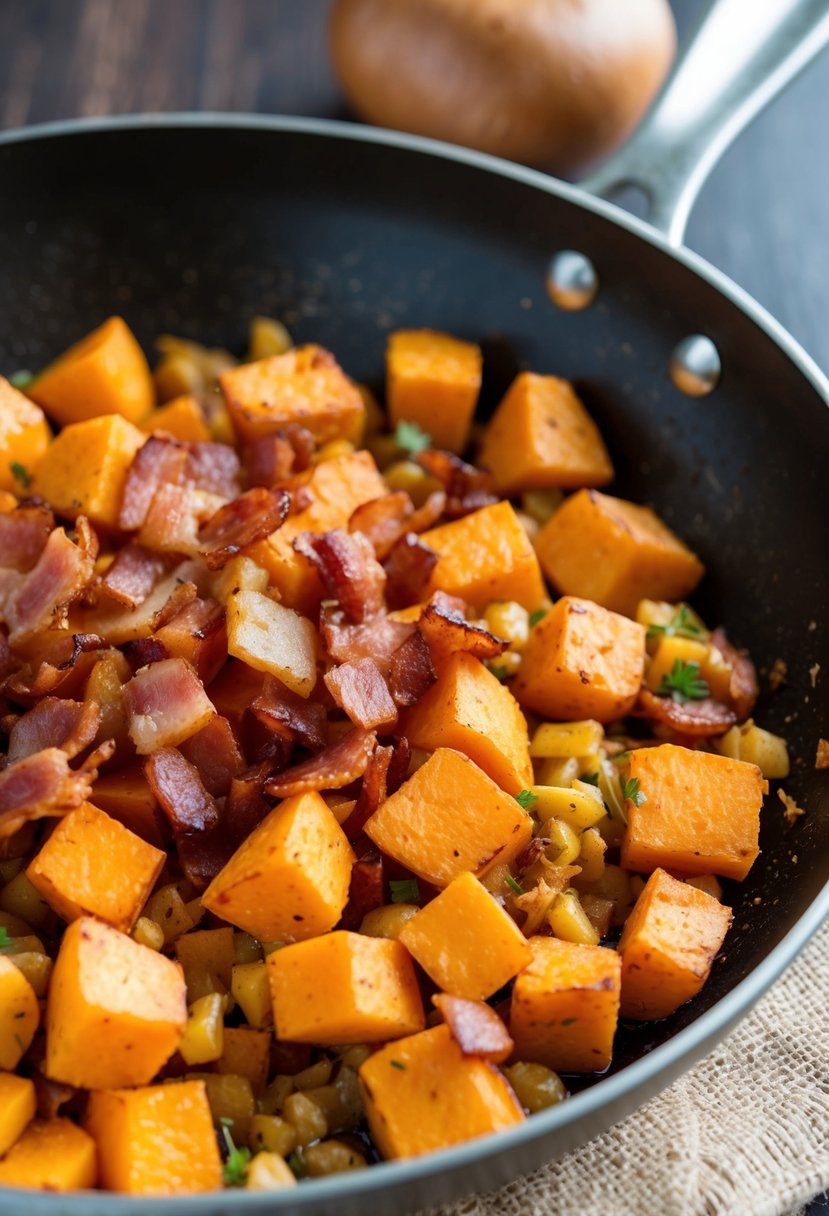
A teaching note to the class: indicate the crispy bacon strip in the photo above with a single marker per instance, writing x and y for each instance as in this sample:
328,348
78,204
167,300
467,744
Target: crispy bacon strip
165,704
695,719
197,633
377,638
43,786
273,458
243,521
411,671
134,573
373,791
348,569
183,593
475,1027
61,670
446,630
160,460
366,890
293,717
68,725
61,573
171,523
178,789
214,752
467,488
383,521
408,568
360,690
246,806
336,766
213,467
743,687
23,535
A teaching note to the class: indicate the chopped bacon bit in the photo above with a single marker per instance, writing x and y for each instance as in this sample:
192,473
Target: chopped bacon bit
213,467
68,725
178,789
293,717
43,786
61,573
197,633
373,791
159,461
213,750
144,651
181,595
61,671
273,458
166,704
366,891
399,768
204,854
822,756
743,688
170,525
246,806
376,639
348,569
243,521
447,631
85,537
23,535
336,766
133,574
411,671
475,1027
534,851
360,690
383,521
694,719
428,514
408,568
467,488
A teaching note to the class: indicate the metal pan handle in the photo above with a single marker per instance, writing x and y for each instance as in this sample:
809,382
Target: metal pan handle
743,53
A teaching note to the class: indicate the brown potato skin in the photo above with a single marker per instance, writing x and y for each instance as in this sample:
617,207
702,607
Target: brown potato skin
552,83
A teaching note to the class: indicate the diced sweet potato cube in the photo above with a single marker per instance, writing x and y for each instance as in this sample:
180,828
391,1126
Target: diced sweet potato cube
700,814
433,379
17,1107
127,797
24,438
289,880
304,386
422,1094
344,988
166,703
116,1010
272,638
183,418
155,1141
19,1013
615,552
207,959
233,690
449,817
93,866
470,710
565,1006
51,1155
85,468
466,941
541,436
485,556
333,489
668,945
581,661
246,1053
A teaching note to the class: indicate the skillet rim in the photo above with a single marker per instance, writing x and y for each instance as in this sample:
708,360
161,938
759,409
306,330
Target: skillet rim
707,1029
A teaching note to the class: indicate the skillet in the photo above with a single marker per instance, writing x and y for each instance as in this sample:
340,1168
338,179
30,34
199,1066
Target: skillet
192,223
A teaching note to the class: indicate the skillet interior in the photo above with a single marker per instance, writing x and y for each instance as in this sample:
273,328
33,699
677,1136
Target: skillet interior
192,229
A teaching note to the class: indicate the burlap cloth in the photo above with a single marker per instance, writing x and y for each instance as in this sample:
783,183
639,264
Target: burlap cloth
746,1133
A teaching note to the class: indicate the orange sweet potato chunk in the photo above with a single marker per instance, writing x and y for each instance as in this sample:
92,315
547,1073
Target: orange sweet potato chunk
155,1141
17,1107
422,1094
433,379
465,940
344,988
701,813
116,1010
470,710
615,552
485,556
183,418
289,880
127,797
19,1013
105,373
668,945
565,1006
581,661
24,437
542,436
305,386
85,469
51,1155
93,866
246,1053
449,817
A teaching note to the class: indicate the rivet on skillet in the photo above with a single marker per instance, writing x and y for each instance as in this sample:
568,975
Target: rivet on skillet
572,281
695,366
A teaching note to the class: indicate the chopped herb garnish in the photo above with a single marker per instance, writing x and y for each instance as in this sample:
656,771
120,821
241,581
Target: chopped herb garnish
398,1064
516,886
298,1166
679,626
5,940
404,891
537,616
683,682
411,438
236,1166
631,790
21,473
590,778
22,379
500,671
526,798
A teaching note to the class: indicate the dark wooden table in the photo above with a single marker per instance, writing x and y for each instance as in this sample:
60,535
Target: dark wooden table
762,218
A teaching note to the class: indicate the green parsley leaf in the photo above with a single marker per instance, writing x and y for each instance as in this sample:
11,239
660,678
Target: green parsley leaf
5,940
679,626
20,472
22,379
683,683
404,890
411,438
526,798
398,1064
298,1166
236,1166
516,886
631,790
537,616
590,778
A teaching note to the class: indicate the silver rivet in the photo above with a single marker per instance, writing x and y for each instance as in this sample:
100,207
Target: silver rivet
695,366
572,281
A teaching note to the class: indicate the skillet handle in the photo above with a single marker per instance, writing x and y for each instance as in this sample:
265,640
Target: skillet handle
742,55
